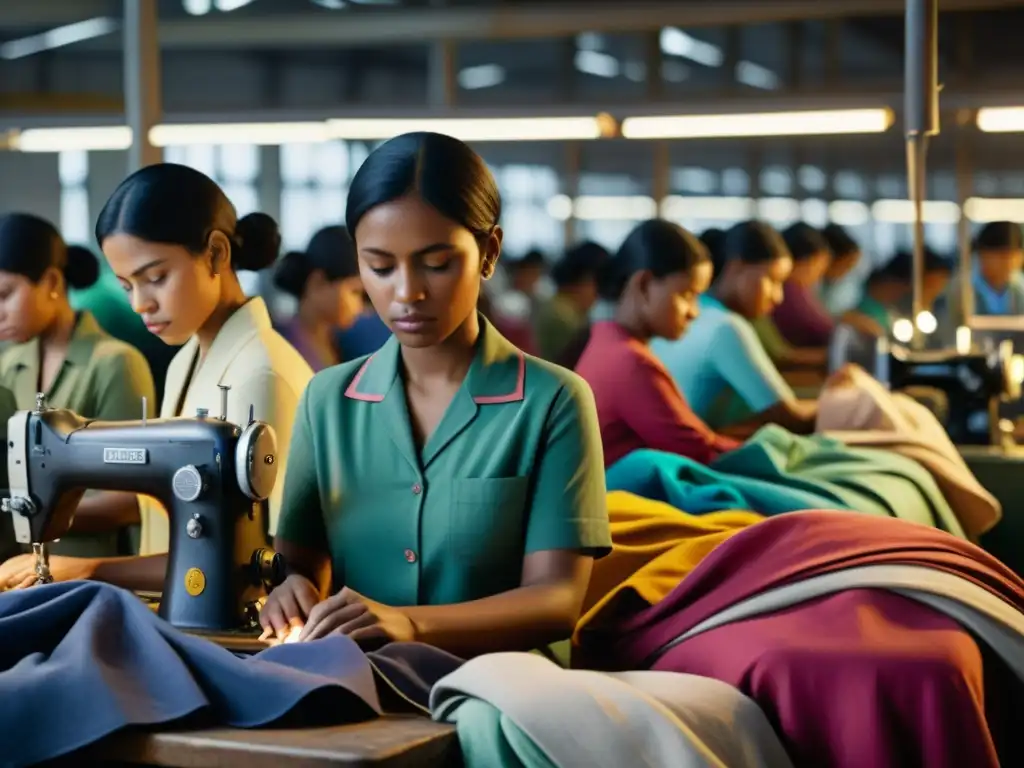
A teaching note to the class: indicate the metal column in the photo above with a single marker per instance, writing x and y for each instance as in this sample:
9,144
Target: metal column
142,97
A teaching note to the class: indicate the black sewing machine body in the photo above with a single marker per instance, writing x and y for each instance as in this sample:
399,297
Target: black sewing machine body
212,477
974,382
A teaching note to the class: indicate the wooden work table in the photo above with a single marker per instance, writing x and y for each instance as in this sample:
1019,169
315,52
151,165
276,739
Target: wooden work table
387,742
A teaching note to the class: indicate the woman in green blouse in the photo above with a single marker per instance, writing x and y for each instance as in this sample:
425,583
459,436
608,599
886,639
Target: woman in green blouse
66,356
448,489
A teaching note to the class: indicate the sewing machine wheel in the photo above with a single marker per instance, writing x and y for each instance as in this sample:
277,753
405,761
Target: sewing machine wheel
256,461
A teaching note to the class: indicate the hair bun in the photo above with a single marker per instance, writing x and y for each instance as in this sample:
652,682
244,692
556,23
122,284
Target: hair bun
291,273
82,269
257,242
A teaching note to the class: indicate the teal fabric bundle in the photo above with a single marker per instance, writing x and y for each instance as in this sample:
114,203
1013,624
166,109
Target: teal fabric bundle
776,472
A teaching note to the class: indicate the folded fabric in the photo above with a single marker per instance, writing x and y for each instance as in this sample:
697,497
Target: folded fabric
875,482
514,709
90,659
862,412
781,550
686,484
897,641
654,547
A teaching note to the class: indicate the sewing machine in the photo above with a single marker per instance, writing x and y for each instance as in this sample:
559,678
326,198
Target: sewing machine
212,477
975,382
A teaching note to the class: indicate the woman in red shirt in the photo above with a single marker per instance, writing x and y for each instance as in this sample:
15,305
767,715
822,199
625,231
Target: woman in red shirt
655,280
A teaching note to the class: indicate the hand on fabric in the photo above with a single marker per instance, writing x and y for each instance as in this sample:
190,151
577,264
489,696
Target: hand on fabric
20,572
349,613
287,607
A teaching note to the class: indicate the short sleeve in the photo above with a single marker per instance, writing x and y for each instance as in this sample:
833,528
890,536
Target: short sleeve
301,520
274,401
568,506
742,361
123,381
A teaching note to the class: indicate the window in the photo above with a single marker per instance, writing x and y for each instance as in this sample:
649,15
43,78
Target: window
314,187
73,170
525,192
236,168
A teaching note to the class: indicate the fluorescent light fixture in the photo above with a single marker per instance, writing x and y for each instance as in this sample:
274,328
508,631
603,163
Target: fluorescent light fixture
779,210
1001,119
259,134
474,129
612,208
596,63
197,7
678,208
675,42
986,209
902,211
849,213
483,76
802,123
58,38
226,6
70,139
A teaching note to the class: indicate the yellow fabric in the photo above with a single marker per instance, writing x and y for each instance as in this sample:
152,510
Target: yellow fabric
654,546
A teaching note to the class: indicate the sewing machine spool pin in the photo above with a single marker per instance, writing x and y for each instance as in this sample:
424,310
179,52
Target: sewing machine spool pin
224,389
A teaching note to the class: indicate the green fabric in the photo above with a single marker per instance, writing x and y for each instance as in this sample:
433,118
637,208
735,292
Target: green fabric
875,482
489,739
556,325
877,311
101,378
514,467
108,303
771,339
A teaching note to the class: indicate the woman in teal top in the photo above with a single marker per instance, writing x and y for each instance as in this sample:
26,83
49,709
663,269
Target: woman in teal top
447,489
720,364
66,356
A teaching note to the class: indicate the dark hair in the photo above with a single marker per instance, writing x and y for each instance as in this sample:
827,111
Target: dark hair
532,258
443,171
581,262
30,245
839,241
178,205
999,235
804,241
330,251
714,241
656,245
754,242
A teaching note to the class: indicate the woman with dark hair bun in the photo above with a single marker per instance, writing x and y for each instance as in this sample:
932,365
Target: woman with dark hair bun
448,489
173,240
655,281
69,358
325,280
720,365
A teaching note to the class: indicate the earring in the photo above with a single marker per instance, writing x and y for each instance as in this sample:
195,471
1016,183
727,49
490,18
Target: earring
54,295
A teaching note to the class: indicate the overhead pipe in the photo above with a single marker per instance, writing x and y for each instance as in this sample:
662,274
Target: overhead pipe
536,20
921,118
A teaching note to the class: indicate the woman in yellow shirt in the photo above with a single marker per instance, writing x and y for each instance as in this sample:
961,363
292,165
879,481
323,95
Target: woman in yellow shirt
173,239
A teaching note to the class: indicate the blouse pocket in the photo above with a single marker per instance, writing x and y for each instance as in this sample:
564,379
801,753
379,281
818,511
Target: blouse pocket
488,519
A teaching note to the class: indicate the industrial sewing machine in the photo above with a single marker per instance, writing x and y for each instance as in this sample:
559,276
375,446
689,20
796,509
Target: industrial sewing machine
212,477
975,382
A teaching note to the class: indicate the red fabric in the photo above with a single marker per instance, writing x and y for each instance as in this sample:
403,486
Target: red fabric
858,678
801,318
638,404
518,332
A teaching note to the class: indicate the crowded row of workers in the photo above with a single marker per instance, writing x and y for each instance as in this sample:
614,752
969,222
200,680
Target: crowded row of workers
446,487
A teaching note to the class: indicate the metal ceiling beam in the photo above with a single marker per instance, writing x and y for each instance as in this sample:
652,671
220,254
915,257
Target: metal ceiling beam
397,25
26,14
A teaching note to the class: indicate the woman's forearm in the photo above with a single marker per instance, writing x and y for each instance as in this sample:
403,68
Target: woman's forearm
519,620
142,574
106,511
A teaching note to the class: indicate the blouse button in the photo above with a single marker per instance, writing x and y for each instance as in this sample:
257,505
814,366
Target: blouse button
417,489
410,556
